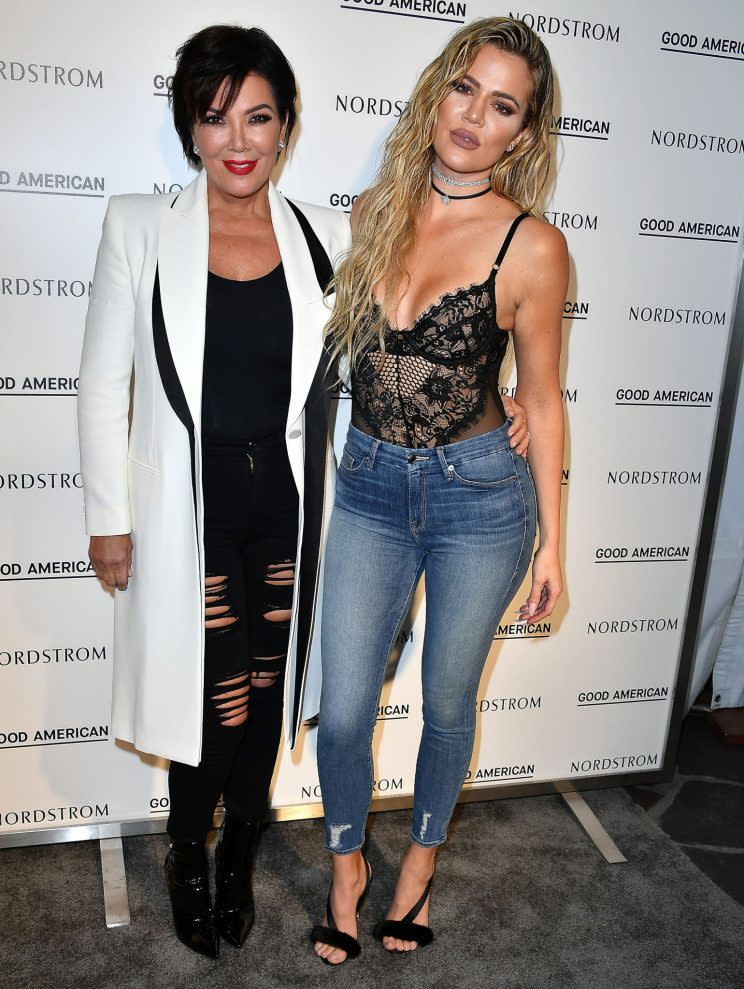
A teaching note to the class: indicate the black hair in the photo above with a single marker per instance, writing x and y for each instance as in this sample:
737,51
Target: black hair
226,52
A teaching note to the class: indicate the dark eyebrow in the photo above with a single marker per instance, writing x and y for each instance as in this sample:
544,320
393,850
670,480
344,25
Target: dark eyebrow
507,96
261,106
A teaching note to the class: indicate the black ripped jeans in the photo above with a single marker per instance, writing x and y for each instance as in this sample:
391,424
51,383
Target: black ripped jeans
250,542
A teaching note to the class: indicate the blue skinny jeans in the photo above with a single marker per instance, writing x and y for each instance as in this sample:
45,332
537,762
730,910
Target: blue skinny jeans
465,515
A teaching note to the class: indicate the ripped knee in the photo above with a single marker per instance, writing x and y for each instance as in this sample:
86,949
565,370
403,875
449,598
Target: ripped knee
280,616
218,611
280,574
232,702
267,676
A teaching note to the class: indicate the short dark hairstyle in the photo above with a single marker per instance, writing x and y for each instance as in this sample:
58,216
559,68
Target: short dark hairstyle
226,52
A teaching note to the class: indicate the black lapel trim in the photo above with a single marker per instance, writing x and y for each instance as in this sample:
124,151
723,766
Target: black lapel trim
317,411
321,261
169,377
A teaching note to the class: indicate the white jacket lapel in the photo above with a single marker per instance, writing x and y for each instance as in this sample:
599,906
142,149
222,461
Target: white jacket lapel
183,259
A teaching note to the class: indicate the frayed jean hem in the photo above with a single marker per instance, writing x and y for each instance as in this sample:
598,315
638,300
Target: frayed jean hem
342,851
428,844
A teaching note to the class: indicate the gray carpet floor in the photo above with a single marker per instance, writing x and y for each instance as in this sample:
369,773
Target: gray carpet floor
702,807
522,899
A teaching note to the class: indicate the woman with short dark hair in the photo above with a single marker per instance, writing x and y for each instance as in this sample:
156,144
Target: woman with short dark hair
210,509
224,55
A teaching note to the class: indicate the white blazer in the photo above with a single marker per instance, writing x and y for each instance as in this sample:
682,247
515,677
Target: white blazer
147,315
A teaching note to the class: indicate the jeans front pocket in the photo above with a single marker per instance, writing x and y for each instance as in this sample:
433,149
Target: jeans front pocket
351,462
493,469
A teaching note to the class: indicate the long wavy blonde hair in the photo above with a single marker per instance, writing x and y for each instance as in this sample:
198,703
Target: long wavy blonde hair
391,209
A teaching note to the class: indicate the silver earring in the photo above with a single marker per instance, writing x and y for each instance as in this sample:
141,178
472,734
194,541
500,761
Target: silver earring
197,152
511,147
282,145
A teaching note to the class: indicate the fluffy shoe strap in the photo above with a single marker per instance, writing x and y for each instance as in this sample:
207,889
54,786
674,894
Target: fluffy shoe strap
405,929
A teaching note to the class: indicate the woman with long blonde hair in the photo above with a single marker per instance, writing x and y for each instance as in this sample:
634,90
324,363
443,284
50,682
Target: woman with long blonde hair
447,264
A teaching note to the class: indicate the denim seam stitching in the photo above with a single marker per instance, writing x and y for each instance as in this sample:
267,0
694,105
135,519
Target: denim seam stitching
524,537
480,672
422,497
347,468
472,688
411,527
349,516
404,610
524,503
484,484
381,680
427,844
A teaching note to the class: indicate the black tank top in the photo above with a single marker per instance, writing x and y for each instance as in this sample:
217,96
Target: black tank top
437,376
247,358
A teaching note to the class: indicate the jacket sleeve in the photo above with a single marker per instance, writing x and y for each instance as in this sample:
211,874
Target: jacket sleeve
103,389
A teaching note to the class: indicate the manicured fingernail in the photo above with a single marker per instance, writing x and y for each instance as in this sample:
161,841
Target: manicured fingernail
532,608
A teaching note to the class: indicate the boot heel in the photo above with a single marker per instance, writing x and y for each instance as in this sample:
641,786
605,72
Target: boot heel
235,858
187,877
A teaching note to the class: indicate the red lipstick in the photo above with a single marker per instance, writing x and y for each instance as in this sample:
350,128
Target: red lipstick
239,167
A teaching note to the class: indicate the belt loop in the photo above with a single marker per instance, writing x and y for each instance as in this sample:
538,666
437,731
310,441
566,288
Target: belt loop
443,461
372,454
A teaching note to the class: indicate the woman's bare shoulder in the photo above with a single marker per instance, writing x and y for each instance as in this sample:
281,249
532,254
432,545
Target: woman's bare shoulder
540,240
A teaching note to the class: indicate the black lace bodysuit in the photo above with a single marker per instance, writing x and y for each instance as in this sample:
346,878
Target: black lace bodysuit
437,376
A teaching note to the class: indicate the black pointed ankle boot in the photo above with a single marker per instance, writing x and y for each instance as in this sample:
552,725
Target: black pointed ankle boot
187,876
235,858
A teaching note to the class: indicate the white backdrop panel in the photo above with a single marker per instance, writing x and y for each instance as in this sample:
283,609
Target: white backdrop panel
649,152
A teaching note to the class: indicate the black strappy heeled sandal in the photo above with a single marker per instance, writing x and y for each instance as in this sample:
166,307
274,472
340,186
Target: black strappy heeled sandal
332,935
405,929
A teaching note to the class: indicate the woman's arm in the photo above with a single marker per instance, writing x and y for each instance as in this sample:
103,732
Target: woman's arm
542,273
103,406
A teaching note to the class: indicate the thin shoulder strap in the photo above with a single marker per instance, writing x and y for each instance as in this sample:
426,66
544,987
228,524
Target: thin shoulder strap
319,255
508,240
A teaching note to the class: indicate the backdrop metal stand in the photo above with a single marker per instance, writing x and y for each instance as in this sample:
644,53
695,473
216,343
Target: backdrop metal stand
115,898
593,827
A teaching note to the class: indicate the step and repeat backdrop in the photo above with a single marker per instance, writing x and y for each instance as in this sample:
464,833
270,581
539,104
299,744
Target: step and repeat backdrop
649,152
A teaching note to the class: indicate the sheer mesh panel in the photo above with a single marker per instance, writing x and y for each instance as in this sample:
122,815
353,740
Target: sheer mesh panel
435,379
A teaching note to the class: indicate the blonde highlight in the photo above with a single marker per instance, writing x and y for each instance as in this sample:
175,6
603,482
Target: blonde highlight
390,212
